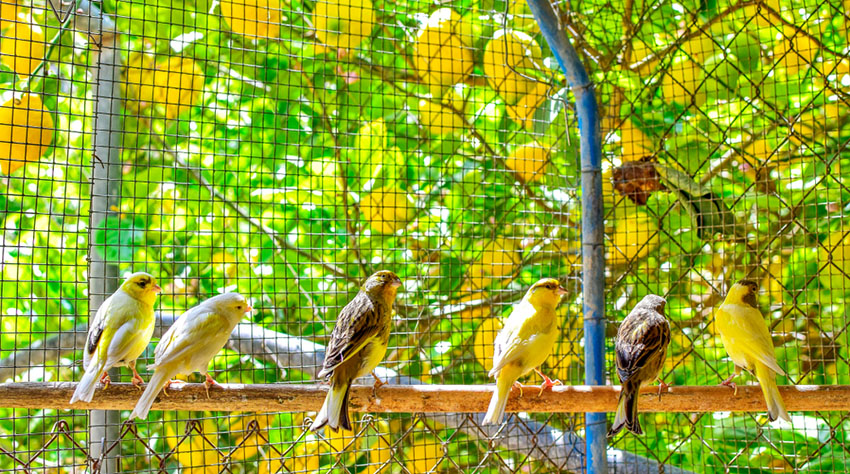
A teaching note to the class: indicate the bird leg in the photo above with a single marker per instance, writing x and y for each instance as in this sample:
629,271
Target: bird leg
547,382
105,380
137,379
169,384
378,384
662,387
729,383
209,382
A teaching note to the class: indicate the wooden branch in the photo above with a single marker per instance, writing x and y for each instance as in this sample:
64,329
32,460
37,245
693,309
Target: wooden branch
425,398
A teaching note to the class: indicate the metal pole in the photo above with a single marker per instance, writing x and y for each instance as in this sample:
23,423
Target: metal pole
593,279
105,191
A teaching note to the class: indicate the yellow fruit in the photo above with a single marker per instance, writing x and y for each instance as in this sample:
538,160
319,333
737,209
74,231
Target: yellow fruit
22,47
510,56
497,260
472,296
8,13
386,210
523,111
177,83
635,234
27,129
761,17
441,119
699,48
305,457
682,84
834,261
424,456
252,18
342,440
641,51
248,446
380,453
634,142
522,17
344,23
795,53
439,54
482,344
196,453
529,161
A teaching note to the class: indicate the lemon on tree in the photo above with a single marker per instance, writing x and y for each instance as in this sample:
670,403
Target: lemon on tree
27,128
177,83
634,235
683,83
496,261
634,143
380,453
523,111
22,47
440,55
443,116
424,455
344,23
386,209
834,261
508,60
482,342
795,52
252,18
530,161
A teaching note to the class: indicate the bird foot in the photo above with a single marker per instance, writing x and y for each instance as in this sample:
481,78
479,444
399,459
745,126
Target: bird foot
378,384
209,382
169,384
105,380
138,382
547,384
663,387
517,386
729,383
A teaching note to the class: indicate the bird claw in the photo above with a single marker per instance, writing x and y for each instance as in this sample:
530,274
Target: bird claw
209,382
169,384
729,383
105,380
663,387
547,385
378,384
517,386
138,382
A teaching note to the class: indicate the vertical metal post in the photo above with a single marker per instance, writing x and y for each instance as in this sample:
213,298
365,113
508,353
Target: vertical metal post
105,190
593,279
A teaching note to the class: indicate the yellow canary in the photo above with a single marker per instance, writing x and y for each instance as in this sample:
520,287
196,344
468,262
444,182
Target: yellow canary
119,333
524,343
747,341
358,344
190,344
641,348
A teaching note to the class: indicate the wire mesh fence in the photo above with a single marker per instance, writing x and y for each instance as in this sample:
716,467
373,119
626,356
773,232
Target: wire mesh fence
289,150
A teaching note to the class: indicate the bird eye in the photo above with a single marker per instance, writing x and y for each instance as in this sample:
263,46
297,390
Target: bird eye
143,283
239,307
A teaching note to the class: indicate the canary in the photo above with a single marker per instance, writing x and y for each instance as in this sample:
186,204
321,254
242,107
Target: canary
119,333
190,344
524,343
358,343
747,341
640,351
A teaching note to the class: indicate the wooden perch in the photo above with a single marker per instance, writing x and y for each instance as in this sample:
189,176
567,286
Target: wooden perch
562,449
425,398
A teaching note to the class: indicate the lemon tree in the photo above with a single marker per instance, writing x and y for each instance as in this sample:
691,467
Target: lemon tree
444,116
22,47
386,210
496,261
509,58
634,143
174,83
344,23
440,55
523,111
635,235
252,18
424,455
28,128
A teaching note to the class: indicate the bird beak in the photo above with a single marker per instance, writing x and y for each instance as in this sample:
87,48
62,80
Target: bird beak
248,309
156,288
396,283
561,291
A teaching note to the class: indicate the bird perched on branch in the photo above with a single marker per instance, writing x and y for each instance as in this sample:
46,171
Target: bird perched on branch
747,341
119,333
524,343
640,351
358,344
190,344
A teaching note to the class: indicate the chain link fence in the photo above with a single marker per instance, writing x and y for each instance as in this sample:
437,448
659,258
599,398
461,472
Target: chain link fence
287,150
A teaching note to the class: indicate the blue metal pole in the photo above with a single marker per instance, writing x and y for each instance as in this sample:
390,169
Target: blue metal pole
593,279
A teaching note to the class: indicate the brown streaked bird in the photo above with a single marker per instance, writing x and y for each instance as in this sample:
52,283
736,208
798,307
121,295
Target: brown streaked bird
747,340
358,344
640,351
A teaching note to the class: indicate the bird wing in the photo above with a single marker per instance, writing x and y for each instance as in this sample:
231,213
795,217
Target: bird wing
194,327
750,334
356,325
510,344
116,324
641,341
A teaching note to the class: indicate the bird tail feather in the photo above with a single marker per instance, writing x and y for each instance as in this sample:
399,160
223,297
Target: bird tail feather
496,410
88,383
157,381
334,412
627,411
775,404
